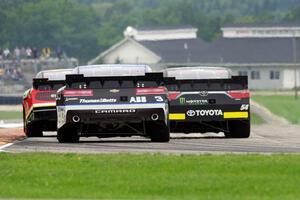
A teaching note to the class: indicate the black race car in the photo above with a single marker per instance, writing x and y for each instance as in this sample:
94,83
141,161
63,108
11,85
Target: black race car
113,106
207,99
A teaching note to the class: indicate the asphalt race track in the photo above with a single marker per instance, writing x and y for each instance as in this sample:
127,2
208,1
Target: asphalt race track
264,139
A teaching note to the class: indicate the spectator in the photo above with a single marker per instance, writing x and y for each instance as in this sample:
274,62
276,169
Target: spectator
1,53
17,54
46,52
23,52
28,52
58,52
34,52
6,53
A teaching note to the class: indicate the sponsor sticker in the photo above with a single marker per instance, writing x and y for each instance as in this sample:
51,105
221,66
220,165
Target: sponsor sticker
115,111
204,113
138,99
102,100
114,90
236,115
71,99
177,116
183,101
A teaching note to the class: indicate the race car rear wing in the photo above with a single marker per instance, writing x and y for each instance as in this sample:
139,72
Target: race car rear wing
79,81
234,83
45,84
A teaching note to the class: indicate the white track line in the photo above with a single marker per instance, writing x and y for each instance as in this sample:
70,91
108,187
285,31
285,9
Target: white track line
5,146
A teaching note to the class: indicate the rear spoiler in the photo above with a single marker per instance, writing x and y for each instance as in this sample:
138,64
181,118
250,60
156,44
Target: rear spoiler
44,81
235,82
157,77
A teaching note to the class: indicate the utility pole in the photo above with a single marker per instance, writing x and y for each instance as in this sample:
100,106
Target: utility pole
295,65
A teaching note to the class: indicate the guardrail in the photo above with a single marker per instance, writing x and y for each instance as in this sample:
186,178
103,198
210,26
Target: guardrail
10,100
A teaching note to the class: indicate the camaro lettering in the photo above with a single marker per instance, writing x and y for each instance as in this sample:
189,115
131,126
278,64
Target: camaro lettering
102,100
202,113
138,99
115,111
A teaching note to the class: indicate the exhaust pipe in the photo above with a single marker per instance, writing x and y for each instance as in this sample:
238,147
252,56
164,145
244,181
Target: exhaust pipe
76,118
154,117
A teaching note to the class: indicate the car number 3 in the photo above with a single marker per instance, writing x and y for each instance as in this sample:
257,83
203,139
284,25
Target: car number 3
159,98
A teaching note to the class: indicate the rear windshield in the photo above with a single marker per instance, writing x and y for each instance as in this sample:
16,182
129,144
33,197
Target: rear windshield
108,84
44,87
199,74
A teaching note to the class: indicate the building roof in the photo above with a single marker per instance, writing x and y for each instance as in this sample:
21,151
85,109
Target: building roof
181,51
255,50
225,50
166,27
221,51
261,25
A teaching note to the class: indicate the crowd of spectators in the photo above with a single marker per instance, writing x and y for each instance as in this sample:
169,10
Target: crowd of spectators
13,71
30,53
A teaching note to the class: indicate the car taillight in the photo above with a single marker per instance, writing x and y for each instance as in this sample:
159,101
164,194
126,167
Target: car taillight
172,95
239,94
143,91
78,93
46,95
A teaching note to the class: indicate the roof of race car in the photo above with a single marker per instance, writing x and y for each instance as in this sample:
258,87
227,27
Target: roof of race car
112,70
54,74
198,72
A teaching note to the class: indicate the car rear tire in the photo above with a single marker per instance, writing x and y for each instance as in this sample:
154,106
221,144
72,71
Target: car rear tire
68,135
158,131
239,129
32,130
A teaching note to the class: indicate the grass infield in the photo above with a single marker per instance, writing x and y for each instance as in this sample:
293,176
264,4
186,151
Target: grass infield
256,120
148,176
6,115
284,106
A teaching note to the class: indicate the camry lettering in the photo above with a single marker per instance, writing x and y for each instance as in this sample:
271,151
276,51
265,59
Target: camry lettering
202,113
115,111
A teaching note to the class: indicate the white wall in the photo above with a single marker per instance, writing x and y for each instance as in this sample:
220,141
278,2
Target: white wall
261,32
131,53
166,35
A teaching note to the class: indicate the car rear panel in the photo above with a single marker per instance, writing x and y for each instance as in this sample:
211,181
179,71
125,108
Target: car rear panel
98,100
209,99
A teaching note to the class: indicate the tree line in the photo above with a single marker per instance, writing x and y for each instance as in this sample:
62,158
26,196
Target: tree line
83,28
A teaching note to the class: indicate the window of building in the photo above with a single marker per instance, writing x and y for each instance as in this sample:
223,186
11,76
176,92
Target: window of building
255,75
243,73
274,75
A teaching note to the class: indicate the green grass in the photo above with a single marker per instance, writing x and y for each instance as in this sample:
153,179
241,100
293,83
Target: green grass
10,115
284,106
256,120
145,176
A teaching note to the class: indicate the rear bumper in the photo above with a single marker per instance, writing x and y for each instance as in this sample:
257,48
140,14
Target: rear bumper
48,114
118,115
97,114
43,114
209,113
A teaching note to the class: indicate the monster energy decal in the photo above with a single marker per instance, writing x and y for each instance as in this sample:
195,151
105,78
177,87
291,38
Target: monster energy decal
183,101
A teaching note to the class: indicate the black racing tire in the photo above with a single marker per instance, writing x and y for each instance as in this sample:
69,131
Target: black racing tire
158,131
33,130
238,129
68,135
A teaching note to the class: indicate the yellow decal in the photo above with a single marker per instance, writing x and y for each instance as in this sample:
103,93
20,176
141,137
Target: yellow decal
177,116
236,115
